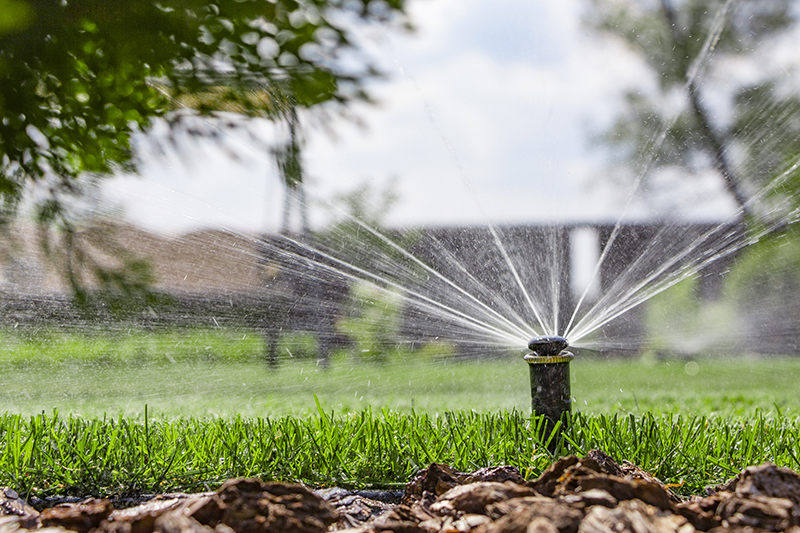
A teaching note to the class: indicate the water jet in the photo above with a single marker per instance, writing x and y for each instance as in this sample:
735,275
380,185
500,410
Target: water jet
551,396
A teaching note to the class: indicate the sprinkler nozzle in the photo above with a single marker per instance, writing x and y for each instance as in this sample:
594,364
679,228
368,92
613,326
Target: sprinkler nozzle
547,345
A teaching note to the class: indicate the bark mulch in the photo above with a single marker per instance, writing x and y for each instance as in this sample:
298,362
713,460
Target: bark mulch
575,495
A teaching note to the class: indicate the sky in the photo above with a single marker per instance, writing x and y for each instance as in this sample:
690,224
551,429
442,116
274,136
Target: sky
487,115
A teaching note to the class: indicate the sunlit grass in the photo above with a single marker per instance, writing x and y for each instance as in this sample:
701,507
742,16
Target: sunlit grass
711,386
41,347
183,411
225,373
53,454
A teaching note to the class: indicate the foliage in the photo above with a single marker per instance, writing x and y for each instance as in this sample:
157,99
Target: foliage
298,344
681,323
762,287
73,86
53,454
746,130
375,256
373,321
358,233
437,351
773,264
78,78
688,44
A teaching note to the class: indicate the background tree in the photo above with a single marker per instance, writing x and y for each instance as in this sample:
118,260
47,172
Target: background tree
78,78
687,44
290,166
751,139
326,283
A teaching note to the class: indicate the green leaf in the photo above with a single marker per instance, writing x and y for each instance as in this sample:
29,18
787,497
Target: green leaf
15,15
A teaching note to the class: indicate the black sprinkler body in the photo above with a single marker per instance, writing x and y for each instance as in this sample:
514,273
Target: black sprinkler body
551,395
548,345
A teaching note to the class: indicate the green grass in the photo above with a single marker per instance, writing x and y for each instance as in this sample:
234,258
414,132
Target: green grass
49,454
200,382
713,386
176,411
44,347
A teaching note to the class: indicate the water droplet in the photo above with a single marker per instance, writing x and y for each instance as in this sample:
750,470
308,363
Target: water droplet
691,368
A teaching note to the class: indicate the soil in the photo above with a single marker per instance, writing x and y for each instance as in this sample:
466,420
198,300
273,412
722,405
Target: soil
587,495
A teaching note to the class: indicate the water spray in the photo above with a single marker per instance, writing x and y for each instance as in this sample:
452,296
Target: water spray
550,387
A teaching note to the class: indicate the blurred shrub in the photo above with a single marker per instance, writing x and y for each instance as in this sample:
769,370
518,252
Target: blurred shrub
680,323
757,312
437,351
298,345
763,287
372,321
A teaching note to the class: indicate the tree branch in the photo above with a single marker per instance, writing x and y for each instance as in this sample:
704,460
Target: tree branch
717,148
713,141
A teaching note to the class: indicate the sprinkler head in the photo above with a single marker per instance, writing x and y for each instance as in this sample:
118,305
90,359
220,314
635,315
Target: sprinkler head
547,345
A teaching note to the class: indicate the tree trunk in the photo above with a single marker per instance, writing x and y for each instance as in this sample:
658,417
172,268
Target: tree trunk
714,142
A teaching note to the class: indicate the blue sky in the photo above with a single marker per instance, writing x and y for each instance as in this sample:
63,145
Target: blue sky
487,115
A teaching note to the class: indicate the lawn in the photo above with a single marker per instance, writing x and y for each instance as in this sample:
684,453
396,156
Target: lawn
58,454
226,375
103,416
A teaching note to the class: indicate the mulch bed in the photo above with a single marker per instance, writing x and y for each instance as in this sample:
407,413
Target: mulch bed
589,494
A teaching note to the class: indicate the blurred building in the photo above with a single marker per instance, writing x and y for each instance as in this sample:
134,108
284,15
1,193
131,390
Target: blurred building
220,278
